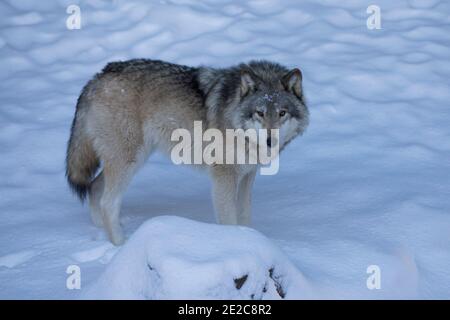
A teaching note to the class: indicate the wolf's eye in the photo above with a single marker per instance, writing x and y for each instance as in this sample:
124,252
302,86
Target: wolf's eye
282,113
260,113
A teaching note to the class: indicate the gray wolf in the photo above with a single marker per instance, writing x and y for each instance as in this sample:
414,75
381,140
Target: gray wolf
130,108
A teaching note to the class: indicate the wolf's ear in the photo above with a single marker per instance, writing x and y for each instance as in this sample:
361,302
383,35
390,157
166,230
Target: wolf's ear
248,82
292,82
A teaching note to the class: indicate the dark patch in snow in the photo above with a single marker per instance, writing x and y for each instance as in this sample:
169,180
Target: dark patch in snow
239,282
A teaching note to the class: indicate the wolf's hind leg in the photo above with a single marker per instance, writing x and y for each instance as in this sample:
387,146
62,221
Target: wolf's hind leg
116,178
95,194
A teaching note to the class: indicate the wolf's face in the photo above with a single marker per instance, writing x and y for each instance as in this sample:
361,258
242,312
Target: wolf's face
276,105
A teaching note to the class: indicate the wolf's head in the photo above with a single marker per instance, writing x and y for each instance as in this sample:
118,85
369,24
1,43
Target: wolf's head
271,97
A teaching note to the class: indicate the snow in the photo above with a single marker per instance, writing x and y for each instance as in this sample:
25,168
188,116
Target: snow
368,184
177,258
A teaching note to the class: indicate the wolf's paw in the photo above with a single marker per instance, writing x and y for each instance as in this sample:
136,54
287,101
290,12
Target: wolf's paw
117,238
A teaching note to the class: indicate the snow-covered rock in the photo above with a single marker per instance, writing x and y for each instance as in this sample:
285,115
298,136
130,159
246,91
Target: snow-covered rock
176,258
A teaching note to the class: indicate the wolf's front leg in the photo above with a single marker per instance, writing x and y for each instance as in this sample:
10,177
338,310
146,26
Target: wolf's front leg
225,186
245,198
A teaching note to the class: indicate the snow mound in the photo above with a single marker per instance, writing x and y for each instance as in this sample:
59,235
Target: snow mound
176,258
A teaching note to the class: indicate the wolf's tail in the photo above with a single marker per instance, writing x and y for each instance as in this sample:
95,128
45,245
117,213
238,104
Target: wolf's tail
81,159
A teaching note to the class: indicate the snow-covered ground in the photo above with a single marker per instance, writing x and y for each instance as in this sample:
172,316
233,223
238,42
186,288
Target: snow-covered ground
369,183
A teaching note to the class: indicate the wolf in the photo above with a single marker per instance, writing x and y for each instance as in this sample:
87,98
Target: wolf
130,109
